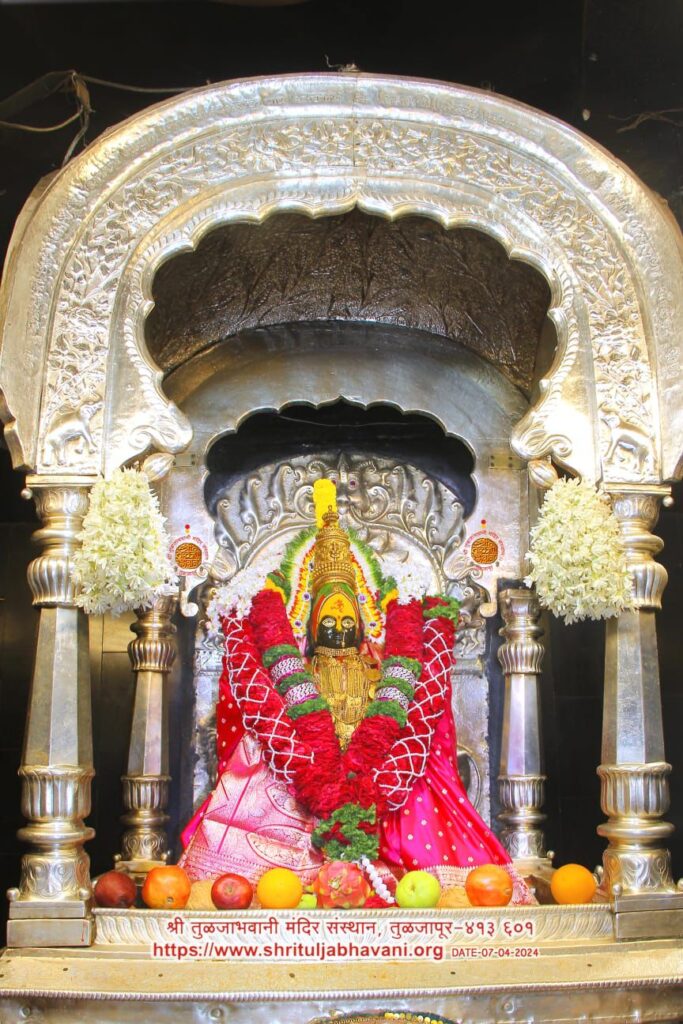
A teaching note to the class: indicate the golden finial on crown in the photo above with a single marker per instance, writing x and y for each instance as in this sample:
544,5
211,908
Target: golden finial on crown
332,546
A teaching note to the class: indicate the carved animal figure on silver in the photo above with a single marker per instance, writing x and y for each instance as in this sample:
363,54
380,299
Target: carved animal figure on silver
72,425
633,445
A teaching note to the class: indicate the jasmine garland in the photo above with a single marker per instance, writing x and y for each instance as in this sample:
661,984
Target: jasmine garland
577,562
123,559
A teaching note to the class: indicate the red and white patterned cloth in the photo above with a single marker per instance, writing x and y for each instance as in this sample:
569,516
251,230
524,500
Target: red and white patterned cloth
251,822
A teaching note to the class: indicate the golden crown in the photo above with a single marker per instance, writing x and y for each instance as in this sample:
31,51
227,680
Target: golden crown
332,555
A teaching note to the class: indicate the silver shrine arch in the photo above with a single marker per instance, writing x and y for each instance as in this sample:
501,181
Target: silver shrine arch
84,390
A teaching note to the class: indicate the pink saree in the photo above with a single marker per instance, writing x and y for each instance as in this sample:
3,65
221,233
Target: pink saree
251,822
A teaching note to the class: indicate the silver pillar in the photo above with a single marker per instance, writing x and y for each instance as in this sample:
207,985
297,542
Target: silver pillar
521,780
146,782
633,773
51,906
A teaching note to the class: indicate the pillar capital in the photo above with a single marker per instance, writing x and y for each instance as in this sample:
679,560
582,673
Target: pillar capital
62,508
636,508
521,653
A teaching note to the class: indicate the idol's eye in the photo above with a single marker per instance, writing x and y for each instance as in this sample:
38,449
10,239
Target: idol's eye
348,622
328,621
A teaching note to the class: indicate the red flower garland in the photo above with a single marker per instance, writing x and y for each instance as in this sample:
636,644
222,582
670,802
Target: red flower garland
268,620
319,792
407,760
306,749
373,737
404,630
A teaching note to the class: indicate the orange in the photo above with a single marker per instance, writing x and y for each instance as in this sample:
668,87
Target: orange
572,883
166,888
279,889
488,886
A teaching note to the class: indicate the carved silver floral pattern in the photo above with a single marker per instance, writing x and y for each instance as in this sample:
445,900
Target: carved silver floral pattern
643,871
48,878
323,144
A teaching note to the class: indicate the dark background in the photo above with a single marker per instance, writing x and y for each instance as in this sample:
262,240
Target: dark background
608,67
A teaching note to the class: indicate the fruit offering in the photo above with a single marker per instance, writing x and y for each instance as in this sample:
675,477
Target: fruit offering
200,896
232,892
418,889
166,888
572,883
115,889
309,901
279,889
454,897
489,886
342,885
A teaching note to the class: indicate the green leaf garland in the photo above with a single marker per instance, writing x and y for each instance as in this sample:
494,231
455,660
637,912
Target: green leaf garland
342,837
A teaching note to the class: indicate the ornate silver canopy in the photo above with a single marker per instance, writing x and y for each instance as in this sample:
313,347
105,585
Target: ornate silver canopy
79,391
80,394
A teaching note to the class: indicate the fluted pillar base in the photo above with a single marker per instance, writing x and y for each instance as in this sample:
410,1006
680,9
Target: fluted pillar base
521,819
634,797
144,845
52,904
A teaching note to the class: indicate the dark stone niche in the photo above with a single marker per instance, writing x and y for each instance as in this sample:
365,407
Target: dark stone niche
411,272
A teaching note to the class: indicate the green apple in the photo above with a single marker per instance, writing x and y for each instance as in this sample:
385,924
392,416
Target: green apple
418,889
309,901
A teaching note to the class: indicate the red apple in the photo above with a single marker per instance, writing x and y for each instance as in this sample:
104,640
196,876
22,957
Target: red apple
115,889
232,892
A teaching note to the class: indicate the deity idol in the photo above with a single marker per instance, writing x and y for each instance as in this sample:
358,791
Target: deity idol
352,754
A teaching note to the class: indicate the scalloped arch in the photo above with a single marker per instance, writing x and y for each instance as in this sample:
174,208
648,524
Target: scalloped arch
77,381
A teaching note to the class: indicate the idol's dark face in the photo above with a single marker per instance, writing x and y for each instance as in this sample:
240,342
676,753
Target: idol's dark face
338,624
340,634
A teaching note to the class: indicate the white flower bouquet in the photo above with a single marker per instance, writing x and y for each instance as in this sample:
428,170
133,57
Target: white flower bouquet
123,560
577,561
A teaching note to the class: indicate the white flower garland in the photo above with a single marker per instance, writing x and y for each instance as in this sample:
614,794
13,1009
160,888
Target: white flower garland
577,561
123,561
236,595
413,579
